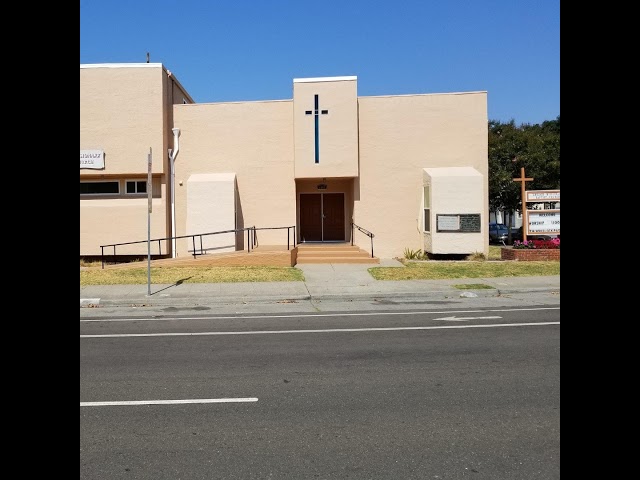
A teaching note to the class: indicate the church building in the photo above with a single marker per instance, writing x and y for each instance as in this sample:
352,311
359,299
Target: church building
324,166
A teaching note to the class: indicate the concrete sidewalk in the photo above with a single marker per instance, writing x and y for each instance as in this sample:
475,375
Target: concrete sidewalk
322,282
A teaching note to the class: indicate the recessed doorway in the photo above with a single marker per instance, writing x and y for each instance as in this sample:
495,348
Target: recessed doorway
322,217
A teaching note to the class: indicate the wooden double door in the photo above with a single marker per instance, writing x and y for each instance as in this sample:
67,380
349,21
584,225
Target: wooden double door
322,217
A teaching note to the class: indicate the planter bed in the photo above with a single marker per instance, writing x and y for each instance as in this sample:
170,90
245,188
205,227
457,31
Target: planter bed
530,254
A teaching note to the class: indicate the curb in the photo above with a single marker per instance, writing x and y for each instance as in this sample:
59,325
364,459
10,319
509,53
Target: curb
213,300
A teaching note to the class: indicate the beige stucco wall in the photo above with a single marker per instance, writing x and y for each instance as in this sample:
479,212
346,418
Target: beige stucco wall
401,135
454,191
106,220
125,110
211,199
254,140
338,129
121,112
398,137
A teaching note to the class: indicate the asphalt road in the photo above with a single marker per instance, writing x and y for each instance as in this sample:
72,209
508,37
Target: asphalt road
374,395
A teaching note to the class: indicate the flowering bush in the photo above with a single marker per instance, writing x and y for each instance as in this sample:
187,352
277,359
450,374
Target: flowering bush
553,244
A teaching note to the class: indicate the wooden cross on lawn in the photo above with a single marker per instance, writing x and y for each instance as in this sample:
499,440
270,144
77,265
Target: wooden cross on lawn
523,179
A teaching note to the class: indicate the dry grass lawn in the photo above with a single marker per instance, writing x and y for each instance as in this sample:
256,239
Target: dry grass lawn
177,275
430,270
476,266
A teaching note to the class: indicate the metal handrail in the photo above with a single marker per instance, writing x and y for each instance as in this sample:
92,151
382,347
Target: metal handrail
252,240
293,243
366,232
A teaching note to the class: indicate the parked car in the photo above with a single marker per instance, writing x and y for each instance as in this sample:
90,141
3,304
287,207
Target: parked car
517,235
498,233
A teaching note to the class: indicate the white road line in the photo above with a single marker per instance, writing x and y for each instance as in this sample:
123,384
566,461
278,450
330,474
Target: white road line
169,402
327,330
311,315
464,319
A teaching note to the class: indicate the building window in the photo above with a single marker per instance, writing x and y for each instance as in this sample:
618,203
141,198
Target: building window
100,188
427,208
136,186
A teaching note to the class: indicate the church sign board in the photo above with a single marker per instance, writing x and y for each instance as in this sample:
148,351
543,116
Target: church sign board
543,222
92,159
543,195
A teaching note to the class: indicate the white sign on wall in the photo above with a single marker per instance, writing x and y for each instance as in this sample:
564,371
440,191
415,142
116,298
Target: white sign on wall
92,159
447,222
543,221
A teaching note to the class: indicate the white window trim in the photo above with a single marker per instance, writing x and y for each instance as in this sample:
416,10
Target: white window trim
425,209
135,180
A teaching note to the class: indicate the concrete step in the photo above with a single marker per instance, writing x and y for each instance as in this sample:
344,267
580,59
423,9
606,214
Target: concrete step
333,253
331,247
337,259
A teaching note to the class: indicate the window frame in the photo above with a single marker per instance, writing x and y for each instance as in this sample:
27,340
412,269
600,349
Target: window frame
426,208
135,181
100,194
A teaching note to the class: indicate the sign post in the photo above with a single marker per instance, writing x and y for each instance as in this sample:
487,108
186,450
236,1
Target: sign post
149,196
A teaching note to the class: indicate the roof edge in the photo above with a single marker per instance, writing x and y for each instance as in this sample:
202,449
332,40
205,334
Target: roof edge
120,65
323,79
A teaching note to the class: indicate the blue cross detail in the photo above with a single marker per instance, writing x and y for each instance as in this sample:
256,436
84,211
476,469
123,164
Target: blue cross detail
316,113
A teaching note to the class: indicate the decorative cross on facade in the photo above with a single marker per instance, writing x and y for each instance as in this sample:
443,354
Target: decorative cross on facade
316,113
523,179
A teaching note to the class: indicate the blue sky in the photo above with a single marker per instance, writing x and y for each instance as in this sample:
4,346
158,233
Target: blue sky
241,50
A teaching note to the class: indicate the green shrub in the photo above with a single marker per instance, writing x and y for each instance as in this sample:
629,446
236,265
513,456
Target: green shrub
410,254
476,256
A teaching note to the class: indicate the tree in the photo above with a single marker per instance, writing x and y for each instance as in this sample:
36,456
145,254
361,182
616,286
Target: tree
534,147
